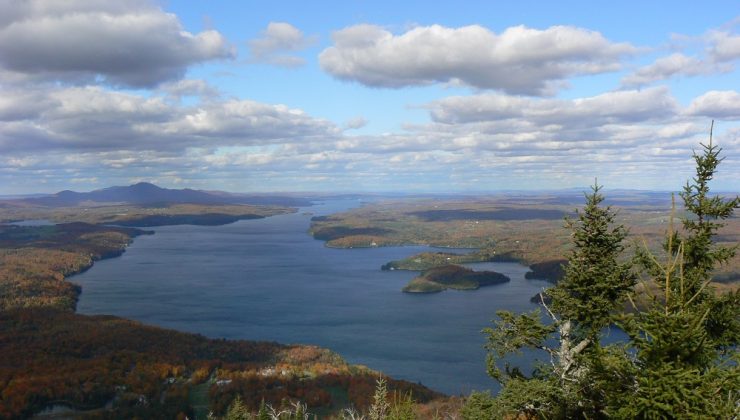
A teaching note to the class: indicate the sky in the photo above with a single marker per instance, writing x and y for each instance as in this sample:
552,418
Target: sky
366,96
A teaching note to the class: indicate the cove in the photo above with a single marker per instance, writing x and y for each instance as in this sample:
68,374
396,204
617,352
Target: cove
267,279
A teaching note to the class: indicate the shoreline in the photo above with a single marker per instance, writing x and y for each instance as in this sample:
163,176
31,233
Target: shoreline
70,317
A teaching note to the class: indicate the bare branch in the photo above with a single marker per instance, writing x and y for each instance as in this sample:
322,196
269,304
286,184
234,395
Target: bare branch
547,308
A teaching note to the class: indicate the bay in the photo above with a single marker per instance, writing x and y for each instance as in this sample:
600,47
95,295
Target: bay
268,279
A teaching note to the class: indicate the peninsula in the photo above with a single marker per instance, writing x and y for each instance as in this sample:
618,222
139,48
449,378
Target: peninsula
527,228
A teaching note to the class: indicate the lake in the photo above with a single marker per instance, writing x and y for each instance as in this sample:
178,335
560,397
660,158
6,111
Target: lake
268,279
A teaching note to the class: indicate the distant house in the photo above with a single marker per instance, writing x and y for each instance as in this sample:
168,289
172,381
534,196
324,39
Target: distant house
268,371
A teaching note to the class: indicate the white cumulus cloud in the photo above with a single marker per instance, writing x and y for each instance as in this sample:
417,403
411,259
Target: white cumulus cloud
676,64
607,108
355,123
717,104
128,42
520,60
725,46
277,41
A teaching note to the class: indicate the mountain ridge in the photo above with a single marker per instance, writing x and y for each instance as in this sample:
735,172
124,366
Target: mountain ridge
146,193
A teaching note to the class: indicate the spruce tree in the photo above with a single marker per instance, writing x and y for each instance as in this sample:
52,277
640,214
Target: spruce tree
262,413
237,410
402,407
681,358
583,303
700,254
686,361
380,407
595,282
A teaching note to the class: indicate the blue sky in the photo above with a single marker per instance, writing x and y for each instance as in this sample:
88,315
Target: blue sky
365,96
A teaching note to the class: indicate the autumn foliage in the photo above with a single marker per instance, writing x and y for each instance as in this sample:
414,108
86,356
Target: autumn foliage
34,261
85,362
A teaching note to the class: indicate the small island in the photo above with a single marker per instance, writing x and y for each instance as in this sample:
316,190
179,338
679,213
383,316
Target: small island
551,271
453,276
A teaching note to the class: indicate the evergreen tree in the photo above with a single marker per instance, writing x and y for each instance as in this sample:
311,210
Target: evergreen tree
262,413
380,407
700,254
686,365
237,410
595,282
681,359
479,405
583,303
402,407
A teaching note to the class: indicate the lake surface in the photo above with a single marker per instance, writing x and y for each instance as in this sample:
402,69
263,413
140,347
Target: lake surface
33,222
267,279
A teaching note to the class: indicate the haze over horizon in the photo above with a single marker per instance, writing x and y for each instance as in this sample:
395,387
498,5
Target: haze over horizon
379,193
365,97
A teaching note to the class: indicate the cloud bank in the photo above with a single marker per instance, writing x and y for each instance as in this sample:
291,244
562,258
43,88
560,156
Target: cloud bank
471,142
92,118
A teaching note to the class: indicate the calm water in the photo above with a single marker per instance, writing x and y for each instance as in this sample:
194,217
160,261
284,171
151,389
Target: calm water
33,222
269,280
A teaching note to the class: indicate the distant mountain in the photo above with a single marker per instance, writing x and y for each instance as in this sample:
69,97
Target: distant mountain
145,193
20,196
